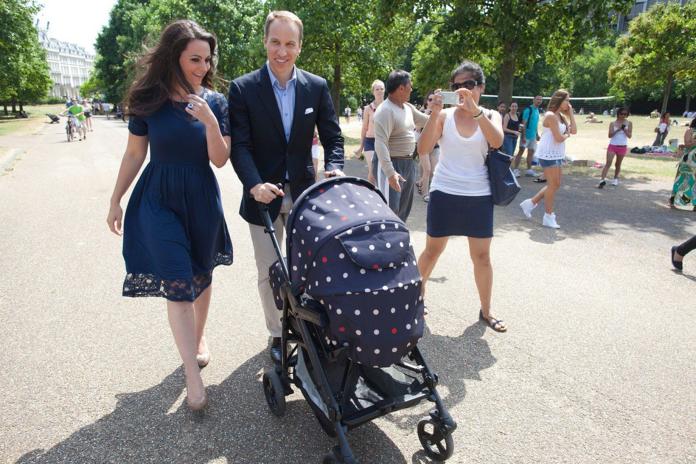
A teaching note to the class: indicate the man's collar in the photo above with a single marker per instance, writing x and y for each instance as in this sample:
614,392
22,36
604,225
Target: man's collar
274,80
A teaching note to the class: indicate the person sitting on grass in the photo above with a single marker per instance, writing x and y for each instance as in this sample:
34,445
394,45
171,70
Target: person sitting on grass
591,118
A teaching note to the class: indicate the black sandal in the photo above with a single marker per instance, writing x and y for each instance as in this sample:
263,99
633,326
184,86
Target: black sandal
677,264
539,180
496,324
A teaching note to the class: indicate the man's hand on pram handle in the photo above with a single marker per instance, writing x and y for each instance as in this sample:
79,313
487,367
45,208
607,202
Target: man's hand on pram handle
266,192
334,173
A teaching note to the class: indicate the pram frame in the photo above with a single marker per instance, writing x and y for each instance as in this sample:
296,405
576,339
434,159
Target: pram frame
440,419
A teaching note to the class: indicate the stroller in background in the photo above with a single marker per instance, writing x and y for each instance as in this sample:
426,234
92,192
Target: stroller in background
54,118
352,316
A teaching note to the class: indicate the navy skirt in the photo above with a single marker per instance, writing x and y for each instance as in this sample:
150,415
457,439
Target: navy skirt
459,215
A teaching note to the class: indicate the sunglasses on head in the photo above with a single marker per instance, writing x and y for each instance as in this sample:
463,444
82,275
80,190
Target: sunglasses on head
468,84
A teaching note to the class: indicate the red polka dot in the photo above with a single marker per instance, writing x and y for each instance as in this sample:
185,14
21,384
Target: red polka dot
375,266
342,329
393,331
344,218
309,252
324,260
321,190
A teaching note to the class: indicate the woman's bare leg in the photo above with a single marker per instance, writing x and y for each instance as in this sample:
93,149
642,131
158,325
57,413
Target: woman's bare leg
479,250
200,307
182,323
434,246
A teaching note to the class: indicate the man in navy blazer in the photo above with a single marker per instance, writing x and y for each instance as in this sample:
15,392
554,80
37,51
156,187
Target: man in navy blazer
273,112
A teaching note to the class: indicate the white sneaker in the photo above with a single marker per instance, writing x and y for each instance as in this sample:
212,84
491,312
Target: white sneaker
516,172
527,207
615,182
530,173
550,221
602,183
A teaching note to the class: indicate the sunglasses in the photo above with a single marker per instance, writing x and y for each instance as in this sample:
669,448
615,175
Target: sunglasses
468,84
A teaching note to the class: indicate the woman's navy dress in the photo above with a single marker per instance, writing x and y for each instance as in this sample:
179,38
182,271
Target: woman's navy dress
174,229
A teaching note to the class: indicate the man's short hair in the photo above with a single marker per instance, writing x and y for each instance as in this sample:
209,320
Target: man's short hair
396,78
283,15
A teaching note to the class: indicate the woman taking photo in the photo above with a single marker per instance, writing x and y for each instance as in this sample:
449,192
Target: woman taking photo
427,162
174,232
511,128
619,132
460,182
559,124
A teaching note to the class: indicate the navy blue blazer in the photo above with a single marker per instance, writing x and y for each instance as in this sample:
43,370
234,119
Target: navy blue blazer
260,152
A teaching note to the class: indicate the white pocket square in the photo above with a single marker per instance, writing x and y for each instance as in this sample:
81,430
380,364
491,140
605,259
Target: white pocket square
309,110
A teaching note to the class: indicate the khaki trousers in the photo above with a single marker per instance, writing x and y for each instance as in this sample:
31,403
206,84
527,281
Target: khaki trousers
265,256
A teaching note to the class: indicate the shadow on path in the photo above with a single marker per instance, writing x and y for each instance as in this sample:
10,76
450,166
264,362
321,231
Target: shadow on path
582,209
237,426
455,360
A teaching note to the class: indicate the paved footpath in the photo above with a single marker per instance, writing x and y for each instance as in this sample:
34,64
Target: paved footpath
597,366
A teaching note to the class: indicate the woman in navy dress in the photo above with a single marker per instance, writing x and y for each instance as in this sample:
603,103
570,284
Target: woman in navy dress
174,232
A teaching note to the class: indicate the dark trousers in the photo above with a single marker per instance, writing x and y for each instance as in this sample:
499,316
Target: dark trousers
687,246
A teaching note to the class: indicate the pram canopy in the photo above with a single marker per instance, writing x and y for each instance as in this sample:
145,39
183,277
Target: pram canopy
349,251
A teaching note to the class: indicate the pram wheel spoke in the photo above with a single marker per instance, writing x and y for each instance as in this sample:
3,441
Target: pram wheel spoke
437,443
274,391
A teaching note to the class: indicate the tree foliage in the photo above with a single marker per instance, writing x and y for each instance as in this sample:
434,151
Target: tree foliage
25,74
505,36
346,42
657,51
135,25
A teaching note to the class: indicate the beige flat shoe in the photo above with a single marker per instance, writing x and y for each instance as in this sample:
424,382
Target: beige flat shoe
203,359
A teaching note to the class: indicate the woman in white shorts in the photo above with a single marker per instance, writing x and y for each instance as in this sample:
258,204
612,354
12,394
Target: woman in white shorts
551,153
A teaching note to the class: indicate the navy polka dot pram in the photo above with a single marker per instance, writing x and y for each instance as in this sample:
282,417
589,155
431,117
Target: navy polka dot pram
349,290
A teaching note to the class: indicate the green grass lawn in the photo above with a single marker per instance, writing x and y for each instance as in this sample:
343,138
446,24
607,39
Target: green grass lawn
9,125
590,143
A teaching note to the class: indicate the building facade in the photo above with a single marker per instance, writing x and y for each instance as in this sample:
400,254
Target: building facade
641,6
70,65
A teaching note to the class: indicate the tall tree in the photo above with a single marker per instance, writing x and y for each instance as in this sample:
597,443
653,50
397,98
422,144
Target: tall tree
346,42
25,76
508,35
135,25
658,49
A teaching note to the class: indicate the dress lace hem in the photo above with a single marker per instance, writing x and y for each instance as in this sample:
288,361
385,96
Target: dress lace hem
144,284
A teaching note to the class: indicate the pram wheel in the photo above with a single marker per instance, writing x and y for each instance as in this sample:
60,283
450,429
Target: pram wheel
436,442
274,391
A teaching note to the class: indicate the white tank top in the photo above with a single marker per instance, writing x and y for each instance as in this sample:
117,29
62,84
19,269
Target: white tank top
619,138
461,169
548,148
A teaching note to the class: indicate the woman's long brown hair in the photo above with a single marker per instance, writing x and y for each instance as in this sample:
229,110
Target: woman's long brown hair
160,73
555,103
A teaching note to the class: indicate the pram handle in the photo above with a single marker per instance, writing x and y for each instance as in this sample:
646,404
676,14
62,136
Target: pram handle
270,230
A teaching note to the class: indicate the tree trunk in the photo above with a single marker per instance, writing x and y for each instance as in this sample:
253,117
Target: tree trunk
336,84
14,107
668,91
21,107
688,103
5,106
506,70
